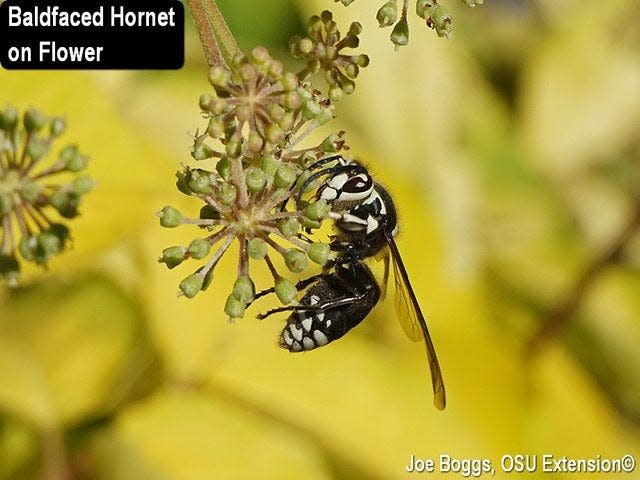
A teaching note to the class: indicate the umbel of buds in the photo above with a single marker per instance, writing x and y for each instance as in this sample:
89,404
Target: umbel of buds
251,166
30,199
434,14
322,50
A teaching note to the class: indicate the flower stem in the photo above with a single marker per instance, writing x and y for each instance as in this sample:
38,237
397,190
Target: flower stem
218,42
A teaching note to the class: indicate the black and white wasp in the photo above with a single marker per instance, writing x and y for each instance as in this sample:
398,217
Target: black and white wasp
346,291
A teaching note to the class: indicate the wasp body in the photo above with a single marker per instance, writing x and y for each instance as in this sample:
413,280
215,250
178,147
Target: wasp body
342,296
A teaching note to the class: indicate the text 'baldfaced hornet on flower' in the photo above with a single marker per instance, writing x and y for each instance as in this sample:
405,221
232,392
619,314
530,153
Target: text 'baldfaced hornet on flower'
346,291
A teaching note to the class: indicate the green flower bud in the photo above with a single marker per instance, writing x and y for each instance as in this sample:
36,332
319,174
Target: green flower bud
34,120
292,100
223,167
50,243
274,133
201,151
218,76
362,60
311,109
82,185
260,55
205,101
247,72
295,260
275,70
199,181
289,81
233,307
173,256
400,33
199,248
255,179
305,45
72,159
66,203
191,285
352,70
317,210
182,182
67,154
207,212
285,176
244,289
269,165
288,226
388,14
215,128
257,248
233,148
424,8
287,121
61,231
57,127
285,290
319,252
8,118
335,93
169,217
347,85
37,149
30,191
255,142
442,22
275,112
227,194
333,143
9,268
27,247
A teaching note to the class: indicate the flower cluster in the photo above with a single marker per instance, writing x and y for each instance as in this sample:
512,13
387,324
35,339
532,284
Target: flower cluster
322,50
258,114
27,193
435,15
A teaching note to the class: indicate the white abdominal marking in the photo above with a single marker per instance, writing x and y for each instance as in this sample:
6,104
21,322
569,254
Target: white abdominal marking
321,338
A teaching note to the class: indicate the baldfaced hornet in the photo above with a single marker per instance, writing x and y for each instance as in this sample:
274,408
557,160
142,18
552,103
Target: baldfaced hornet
346,291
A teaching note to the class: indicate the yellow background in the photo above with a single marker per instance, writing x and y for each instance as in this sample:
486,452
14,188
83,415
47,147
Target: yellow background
511,152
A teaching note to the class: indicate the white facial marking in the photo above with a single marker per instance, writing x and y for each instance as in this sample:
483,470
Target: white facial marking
287,337
320,316
314,299
350,197
328,323
308,343
306,324
296,331
372,198
321,338
394,232
329,194
372,224
296,347
338,181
